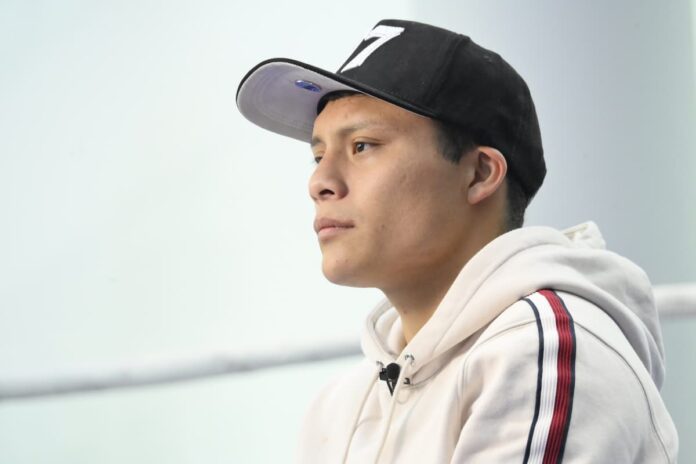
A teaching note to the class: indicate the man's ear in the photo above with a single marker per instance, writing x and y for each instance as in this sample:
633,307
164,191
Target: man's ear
489,168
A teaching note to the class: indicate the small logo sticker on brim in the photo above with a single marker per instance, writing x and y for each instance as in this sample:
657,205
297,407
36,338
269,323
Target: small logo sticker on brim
311,86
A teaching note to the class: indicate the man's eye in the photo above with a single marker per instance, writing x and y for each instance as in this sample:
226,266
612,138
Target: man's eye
361,146
317,159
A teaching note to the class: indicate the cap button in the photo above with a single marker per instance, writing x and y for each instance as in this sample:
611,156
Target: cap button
307,85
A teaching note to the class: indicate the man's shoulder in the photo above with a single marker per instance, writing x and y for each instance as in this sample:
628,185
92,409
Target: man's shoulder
550,312
553,343
553,331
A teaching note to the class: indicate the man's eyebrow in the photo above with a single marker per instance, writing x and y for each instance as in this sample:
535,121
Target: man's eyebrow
316,140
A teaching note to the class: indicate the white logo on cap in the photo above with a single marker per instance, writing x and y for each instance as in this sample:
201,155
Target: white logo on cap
383,34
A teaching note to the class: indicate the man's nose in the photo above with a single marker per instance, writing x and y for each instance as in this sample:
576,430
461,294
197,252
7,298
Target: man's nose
328,180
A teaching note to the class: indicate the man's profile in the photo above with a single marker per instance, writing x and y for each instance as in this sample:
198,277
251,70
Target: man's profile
495,343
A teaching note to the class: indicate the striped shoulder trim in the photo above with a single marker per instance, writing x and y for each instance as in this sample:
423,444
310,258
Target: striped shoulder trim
555,378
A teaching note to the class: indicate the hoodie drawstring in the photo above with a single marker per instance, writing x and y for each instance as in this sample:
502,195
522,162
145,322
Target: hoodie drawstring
365,395
403,380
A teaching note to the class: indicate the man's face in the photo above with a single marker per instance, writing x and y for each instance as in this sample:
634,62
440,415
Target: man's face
390,208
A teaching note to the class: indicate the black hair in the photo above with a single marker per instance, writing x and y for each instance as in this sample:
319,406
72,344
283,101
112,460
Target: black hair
454,142
331,96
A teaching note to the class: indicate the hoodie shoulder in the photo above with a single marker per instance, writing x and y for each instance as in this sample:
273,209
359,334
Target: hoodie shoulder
577,380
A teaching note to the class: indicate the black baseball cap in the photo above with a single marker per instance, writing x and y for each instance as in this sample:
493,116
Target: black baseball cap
422,68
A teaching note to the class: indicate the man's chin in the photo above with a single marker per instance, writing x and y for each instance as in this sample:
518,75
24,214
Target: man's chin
345,276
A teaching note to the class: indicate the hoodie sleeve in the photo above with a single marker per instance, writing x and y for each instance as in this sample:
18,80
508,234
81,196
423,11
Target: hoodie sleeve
543,388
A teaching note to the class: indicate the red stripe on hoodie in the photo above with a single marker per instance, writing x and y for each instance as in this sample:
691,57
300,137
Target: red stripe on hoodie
565,382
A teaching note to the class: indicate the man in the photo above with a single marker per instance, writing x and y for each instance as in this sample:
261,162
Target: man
496,343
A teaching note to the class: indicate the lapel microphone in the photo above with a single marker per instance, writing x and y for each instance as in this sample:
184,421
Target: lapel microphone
390,374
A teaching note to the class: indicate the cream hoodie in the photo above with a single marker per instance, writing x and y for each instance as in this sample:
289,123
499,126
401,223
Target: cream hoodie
546,348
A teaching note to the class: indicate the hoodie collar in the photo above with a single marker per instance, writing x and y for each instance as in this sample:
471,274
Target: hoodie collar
508,268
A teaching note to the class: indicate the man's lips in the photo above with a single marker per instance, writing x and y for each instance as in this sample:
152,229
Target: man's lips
324,226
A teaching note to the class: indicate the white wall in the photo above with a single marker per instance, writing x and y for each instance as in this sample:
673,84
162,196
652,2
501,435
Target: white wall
142,215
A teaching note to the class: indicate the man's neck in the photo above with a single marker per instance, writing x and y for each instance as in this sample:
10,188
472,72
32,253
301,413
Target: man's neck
417,299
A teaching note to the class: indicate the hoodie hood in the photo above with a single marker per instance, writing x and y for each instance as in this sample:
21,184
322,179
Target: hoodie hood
512,266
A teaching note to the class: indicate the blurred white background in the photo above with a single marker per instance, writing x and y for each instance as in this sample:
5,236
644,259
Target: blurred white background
141,216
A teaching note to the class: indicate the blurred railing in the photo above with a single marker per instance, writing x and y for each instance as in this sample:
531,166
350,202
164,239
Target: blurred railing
673,301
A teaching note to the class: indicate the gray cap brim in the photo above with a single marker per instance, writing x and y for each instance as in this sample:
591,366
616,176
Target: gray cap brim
282,95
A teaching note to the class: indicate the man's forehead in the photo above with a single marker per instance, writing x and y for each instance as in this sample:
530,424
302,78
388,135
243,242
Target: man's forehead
356,112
